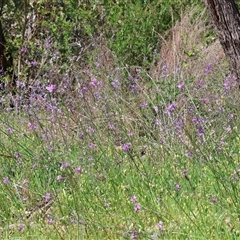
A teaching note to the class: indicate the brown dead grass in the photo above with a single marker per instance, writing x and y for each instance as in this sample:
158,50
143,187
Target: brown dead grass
188,47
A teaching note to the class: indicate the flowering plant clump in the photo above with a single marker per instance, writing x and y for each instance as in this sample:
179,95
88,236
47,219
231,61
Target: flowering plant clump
106,134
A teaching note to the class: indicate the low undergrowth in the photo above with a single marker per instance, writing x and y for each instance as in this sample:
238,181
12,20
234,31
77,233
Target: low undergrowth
98,149
122,156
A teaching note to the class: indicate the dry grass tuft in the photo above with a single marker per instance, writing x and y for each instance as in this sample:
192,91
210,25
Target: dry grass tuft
191,46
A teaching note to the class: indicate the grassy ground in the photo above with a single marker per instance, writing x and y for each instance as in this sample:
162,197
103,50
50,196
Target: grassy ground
107,151
124,156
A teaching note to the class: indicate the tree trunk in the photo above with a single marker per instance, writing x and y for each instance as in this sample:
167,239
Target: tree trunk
226,19
6,62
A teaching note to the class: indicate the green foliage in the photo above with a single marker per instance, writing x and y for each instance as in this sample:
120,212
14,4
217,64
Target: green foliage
129,28
107,152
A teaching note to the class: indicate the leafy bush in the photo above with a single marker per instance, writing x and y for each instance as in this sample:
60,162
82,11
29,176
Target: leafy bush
129,28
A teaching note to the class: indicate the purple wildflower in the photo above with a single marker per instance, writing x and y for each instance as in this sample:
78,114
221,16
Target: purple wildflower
50,221
10,130
200,83
227,84
51,88
134,198
160,225
20,228
181,85
80,133
208,68
143,104
18,155
137,207
5,180
90,130
31,126
34,63
59,178
23,50
92,145
177,187
65,164
170,109
48,45
200,131
213,200
78,170
25,182
47,197
228,128
155,109
126,146
95,83
164,68
115,84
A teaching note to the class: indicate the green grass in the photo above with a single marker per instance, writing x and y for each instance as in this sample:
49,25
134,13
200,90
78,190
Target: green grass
113,153
96,202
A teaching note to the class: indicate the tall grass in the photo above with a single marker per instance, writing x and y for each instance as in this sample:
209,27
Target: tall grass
103,150
111,153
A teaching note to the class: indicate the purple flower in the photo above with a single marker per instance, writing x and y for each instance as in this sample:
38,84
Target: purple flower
227,84
157,121
115,84
154,236
164,68
47,197
92,145
143,105
181,85
17,155
59,178
160,225
208,68
200,131
20,228
78,170
184,172
106,205
25,182
177,187
213,200
34,63
171,107
155,109
200,83
48,45
91,130
31,126
134,88
190,154
134,235
134,198
5,180
126,146
231,116
137,207
80,134
23,50
51,88
95,83
228,128
50,221
10,130
65,165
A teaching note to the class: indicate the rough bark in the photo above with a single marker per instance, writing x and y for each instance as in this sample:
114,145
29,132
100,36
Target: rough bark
226,19
6,62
